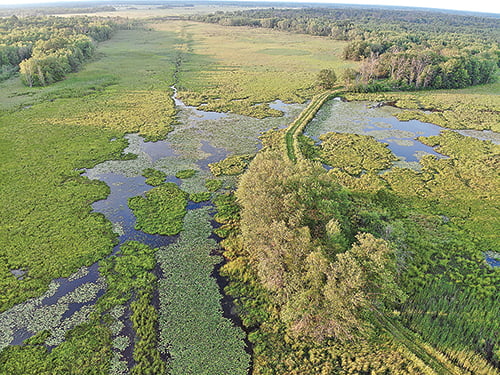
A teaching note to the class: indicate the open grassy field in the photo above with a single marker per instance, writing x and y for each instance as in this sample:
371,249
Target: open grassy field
240,69
137,11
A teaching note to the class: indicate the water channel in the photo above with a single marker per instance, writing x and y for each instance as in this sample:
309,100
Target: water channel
198,139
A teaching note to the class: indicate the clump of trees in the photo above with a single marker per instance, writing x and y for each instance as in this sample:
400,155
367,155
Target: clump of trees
51,60
425,69
406,26
45,49
326,79
314,266
296,230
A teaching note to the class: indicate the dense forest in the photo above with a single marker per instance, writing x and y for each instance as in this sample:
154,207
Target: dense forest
399,49
45,49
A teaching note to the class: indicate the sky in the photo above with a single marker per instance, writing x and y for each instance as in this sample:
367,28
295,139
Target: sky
488,6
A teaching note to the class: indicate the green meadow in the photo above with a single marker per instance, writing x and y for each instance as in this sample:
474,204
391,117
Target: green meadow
240,70
49,134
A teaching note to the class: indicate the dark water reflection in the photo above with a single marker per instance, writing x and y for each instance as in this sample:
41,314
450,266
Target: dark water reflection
215,154
378,122
67,285
157,150
193,144
115,208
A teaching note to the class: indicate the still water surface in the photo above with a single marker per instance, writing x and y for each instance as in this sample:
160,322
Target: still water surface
199,139
378,122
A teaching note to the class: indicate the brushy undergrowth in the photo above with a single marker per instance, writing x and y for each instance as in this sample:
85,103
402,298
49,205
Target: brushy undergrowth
232,165
154,177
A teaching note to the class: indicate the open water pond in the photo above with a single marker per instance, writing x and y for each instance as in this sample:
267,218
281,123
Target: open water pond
493,261
483,135
378,122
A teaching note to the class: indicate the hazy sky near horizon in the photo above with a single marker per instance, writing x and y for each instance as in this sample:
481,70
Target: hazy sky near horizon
488,6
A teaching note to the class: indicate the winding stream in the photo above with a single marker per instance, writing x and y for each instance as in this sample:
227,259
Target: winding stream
199,139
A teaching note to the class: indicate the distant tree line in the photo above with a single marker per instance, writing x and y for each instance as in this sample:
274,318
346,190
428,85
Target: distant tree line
45,49
54,10
398,49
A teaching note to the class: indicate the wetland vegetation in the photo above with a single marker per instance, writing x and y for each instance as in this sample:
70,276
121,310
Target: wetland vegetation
185,197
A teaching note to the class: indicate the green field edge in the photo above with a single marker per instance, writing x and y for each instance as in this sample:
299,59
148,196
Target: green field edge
432,358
